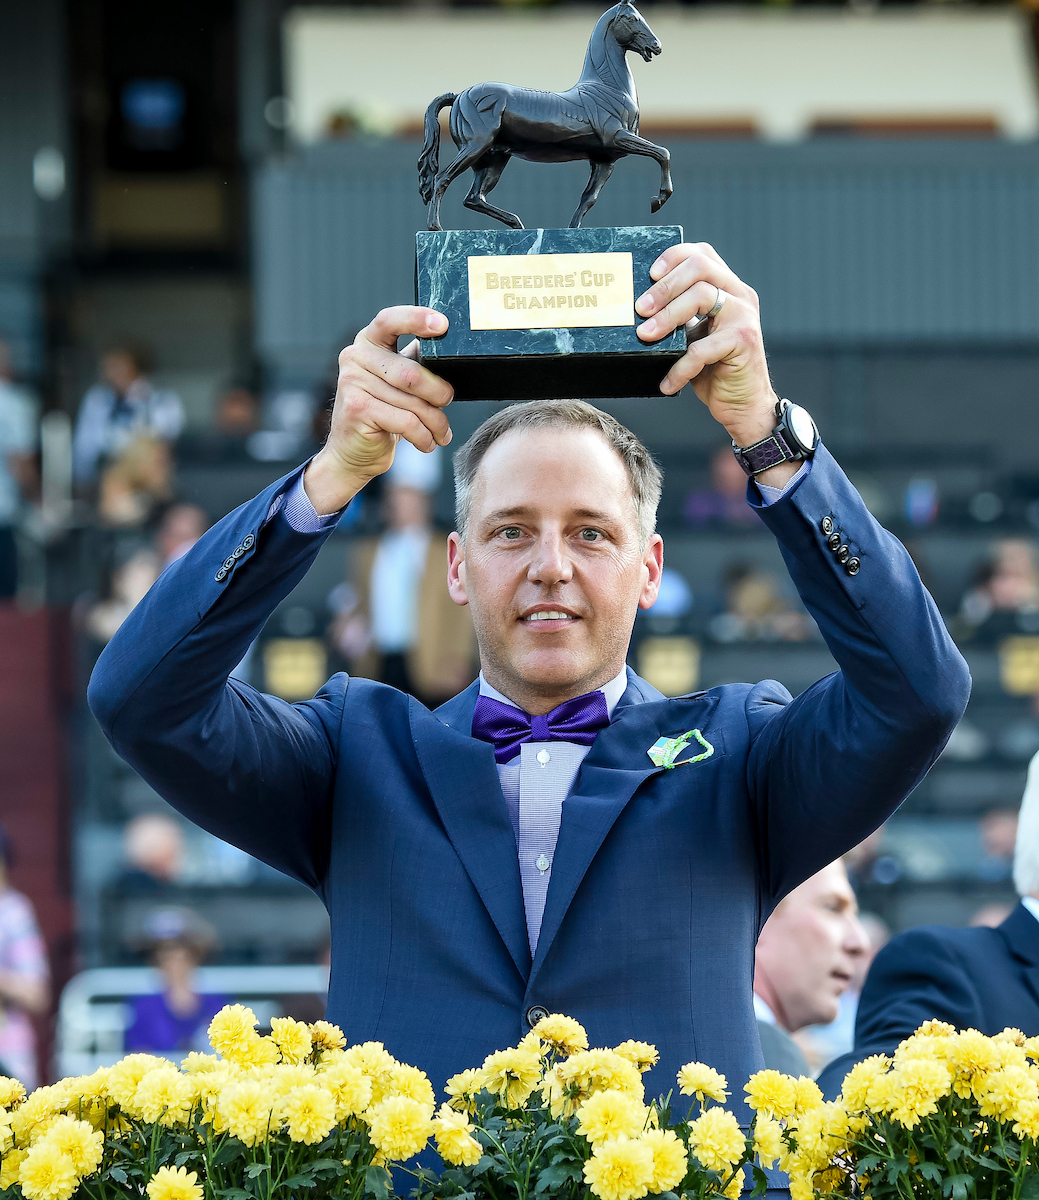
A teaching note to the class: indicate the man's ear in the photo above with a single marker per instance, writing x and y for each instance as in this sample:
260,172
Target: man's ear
653,564
456,570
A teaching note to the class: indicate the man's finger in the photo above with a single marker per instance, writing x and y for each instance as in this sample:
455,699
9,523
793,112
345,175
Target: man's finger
715,348
433,418
696,300
400,372
392,419
689,267
401,320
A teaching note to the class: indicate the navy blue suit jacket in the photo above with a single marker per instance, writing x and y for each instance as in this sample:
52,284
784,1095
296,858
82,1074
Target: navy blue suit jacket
985,979
661,878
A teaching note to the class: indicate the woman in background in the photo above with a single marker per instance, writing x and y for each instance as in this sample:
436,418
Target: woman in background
24,977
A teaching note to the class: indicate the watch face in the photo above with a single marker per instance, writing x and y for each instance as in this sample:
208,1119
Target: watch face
802,427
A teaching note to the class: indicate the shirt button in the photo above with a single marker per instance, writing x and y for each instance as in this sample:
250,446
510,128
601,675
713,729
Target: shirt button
536,1012
542,863
544,757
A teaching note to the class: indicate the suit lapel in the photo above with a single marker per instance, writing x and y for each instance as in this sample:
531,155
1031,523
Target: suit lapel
1021,931
463,781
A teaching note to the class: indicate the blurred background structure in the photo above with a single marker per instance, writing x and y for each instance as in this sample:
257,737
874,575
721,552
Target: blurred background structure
201,203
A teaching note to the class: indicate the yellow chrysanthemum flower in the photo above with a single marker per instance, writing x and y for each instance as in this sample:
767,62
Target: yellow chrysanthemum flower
462,1087
454,1136
734,1187
768,1140
670,1161
972,1054
801,1187
12,1164
79,1140
47,1174
325,1036
917,1084
1010,1034
1031,1047
377,1063
232,1033
820,1133
245,1110
164,1096
717,1141
940,1029
772,1093
399,1127
292,1038
349,1087
860,1079
564,1034
45,1102
174,1183
1026,1124
127,1073
512,1075
806,1095
620,1169
703,1082
1002,1092
283,1077
195,1063
6,1132
308,1113
11,1092
591,1071
611,1114
640,1054
410,1081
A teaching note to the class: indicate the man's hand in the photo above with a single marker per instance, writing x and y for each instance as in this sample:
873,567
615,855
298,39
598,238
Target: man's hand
728,366
381,397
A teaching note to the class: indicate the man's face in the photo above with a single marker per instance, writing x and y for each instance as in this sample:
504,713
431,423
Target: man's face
551,567
808,950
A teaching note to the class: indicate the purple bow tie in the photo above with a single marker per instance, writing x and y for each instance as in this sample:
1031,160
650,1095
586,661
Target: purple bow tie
507,727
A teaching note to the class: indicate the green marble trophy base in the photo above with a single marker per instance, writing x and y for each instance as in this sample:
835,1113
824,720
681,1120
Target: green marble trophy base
586,362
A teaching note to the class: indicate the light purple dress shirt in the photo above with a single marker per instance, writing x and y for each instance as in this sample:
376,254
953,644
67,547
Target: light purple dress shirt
537,781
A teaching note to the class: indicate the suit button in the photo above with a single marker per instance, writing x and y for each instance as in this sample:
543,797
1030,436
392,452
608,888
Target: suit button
834,542
221,575
843,554
826,525
238,552
229,562
852,566
537,1012
247,541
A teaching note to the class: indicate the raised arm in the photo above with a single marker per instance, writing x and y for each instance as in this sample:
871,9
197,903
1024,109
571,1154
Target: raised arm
251,768
828,768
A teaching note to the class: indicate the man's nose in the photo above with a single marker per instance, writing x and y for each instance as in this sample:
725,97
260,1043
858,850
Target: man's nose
856,939
551,562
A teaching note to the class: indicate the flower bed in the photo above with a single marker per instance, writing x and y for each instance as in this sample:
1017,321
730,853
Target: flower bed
298,1114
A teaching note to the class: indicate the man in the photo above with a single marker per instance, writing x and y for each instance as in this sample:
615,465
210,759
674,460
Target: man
805,960
122,407
404,629
466,898
977,978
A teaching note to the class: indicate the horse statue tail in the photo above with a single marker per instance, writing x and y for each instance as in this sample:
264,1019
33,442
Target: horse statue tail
429,159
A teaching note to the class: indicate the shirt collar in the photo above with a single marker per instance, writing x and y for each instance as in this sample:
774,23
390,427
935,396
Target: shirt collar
612,691
763,1012
1032,904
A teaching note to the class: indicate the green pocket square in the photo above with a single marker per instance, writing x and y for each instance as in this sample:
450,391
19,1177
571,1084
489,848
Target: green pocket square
665,750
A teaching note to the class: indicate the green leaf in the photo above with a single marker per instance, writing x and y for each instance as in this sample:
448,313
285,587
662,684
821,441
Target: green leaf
1030,1187
301,1181
236,1194
958,1186
760,1181
118,1174
484,1165
930,1171
377,1182
254,1169
228,1152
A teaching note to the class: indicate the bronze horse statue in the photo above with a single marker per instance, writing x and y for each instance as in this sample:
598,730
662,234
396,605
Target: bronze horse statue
597,119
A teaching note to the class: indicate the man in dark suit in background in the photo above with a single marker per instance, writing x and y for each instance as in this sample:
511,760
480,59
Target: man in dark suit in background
559,837
977,978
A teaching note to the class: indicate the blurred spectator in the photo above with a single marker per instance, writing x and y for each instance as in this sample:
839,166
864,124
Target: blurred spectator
807,955
998,830
725,501
402,626
129,583
823,1043
18,477
990,916
1004,588
756,608
153,846
177,1019
236,417
24,977
180,528
979,978
122,407
136,482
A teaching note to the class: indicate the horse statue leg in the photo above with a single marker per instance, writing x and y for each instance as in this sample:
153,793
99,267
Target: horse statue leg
602,169
488,171
467,156
631,143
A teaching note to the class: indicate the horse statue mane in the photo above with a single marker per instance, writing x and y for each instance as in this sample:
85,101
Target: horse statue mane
596,120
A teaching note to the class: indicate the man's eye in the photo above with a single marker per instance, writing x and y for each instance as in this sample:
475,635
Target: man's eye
590,535
511,532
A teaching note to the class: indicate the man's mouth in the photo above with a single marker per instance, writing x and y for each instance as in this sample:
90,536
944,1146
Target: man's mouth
554,616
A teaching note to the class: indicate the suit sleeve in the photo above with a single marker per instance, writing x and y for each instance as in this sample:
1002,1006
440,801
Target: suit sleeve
918,976
250,768
828,768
